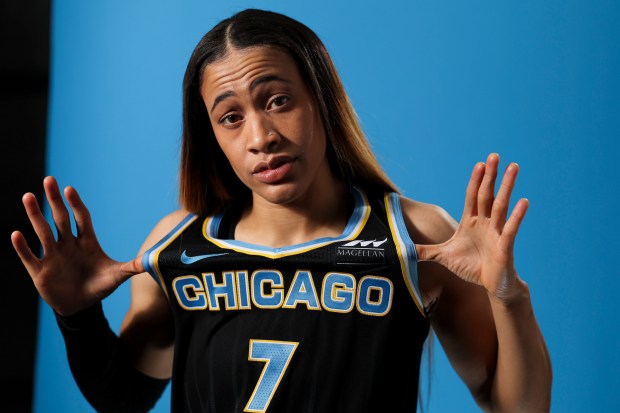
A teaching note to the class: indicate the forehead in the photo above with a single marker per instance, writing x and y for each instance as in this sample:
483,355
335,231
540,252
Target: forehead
239,67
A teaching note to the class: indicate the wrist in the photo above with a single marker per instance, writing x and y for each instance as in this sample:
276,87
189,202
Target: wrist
87,318
513,297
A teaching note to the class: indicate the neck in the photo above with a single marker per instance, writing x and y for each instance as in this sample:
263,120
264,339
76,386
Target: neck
320,212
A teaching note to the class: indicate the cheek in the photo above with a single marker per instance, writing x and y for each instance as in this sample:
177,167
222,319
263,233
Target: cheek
237,164
319,140
309,128
230,152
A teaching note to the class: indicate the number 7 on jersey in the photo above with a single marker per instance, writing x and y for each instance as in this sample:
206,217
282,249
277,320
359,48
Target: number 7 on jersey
276,355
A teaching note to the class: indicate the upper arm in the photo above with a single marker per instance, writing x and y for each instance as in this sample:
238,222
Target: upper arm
460,312
147,329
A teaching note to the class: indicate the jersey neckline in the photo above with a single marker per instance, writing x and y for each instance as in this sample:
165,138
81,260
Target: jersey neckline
355,224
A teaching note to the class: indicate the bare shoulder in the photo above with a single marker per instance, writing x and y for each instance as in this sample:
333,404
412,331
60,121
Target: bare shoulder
427,223
147,329
145,292
163,227
431,224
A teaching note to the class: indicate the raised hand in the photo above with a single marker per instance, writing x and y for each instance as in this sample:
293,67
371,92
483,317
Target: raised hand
481,249
74,271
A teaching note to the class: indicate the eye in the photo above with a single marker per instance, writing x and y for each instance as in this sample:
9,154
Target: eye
229,119
278,101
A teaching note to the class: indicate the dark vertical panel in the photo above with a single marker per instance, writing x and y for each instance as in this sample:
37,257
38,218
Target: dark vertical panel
24,64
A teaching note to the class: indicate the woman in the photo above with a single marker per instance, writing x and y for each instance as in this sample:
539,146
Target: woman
289,280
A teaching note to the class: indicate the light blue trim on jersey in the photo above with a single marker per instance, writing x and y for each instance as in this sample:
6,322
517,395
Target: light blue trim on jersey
405,246
358,219
150,259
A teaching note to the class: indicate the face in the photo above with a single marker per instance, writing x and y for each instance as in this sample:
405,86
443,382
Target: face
267,123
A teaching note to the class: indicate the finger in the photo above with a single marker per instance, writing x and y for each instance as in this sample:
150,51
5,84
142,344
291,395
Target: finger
502,200
513,223
487,187
38,221
28,258
427,252
58,208
132,267
471,194
81,214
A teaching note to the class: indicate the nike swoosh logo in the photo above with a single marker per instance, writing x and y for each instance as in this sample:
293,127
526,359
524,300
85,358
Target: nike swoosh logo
186,259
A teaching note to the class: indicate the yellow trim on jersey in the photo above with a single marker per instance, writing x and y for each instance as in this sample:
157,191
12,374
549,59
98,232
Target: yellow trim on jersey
403,255
275,253
154,255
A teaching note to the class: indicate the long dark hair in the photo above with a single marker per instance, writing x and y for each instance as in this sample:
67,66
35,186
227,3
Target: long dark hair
207,181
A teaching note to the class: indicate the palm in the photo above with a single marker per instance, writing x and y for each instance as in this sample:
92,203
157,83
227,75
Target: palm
74,271
475,254
481,249
72,274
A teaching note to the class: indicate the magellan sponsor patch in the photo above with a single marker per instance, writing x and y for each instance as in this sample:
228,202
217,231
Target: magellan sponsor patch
361,252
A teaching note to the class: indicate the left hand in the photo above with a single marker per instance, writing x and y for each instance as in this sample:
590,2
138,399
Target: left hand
481,249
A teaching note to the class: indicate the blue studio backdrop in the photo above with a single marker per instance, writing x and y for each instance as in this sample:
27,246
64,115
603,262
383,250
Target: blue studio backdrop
437,86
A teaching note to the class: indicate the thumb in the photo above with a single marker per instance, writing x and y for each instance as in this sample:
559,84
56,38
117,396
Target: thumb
426,252
133,267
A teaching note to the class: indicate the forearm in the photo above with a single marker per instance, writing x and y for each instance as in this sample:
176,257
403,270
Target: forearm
101,367
522,379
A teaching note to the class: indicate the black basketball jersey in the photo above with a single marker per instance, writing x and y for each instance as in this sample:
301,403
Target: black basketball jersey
331,325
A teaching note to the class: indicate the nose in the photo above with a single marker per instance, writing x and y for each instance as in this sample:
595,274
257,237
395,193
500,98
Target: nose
262,136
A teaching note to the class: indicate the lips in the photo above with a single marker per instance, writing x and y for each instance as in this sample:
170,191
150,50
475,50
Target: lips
273,170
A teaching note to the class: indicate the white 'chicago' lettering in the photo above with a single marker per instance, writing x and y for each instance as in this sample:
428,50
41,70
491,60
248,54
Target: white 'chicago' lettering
237,290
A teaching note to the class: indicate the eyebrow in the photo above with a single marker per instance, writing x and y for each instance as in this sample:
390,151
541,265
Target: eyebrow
255,83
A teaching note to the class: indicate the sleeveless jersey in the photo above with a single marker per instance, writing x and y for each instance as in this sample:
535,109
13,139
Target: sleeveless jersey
331,325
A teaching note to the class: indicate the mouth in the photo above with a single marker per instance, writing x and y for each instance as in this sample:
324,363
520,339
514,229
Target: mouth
274,170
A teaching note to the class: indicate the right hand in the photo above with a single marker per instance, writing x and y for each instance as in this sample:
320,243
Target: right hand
74,272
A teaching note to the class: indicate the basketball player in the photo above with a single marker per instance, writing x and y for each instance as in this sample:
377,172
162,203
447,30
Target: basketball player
295,277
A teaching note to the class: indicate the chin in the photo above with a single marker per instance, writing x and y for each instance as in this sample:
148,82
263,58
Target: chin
281,194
